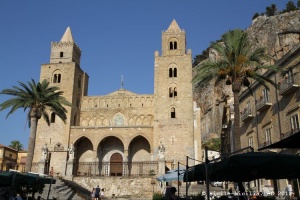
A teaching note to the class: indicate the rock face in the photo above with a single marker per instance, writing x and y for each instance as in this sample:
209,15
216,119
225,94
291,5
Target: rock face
278,34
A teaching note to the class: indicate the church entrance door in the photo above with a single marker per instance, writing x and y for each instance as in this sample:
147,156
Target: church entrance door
116,164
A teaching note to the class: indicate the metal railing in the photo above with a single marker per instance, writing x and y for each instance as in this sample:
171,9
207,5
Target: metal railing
246,114
125,169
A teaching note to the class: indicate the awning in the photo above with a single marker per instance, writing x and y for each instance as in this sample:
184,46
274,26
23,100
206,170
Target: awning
247,167
15,178
291,142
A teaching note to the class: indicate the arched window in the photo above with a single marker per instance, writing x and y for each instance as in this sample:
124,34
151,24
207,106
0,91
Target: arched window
170,92
173,114
175,45
175,72
52,120
171,45
175,92
170,72
56,78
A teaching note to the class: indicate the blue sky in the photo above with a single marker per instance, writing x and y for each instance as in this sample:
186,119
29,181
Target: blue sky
117,37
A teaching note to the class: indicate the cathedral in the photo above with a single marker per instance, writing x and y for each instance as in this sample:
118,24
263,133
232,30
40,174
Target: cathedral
121,133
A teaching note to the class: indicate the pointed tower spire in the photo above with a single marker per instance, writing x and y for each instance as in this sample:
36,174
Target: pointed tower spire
173,27
67,37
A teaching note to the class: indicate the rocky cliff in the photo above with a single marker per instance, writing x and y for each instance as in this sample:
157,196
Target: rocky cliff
278,34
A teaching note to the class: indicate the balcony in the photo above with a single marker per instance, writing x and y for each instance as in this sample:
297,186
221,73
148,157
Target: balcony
289,133
246,115
287,87
264,144
263,104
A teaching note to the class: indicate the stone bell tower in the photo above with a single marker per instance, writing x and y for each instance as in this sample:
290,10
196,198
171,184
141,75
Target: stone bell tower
173,123
64,72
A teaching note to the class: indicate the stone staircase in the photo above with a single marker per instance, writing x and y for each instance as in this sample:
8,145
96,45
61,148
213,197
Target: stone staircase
61,191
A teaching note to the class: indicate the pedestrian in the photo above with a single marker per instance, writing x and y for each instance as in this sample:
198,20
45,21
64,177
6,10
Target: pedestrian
102,194
18,197
289,190
173,196
97,193
166,191
93,194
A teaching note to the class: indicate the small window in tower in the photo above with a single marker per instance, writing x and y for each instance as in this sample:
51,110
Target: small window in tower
58,78
55,78
170,92
75,119
171,45
173,112
175,45
142,104
170,72
52,118
61,54
175,92
175,72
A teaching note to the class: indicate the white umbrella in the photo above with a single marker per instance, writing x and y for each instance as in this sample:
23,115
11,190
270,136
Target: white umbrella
172,175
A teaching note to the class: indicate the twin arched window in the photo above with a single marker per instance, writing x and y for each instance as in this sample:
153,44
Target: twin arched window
173,45
56,78
172,92
173,72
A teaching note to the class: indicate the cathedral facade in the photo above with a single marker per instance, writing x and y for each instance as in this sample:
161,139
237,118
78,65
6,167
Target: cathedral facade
121,133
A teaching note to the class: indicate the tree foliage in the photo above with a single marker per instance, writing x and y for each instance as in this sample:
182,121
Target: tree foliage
39,99
213,144
238,62
17,145
271,10
290,6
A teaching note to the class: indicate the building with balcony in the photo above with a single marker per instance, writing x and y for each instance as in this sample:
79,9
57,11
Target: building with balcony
8,158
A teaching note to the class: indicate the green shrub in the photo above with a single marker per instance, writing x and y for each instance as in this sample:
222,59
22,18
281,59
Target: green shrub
157,196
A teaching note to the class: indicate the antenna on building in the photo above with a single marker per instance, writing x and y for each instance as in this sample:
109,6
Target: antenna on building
122,82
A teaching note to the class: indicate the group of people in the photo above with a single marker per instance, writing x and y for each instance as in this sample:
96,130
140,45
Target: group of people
97,193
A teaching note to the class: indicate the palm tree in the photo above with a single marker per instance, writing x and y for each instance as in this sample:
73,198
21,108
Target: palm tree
237,62
39,98
17,145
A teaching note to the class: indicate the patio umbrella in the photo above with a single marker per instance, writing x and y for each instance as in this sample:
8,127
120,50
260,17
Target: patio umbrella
172,175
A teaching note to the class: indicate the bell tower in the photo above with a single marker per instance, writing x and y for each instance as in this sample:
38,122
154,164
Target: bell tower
173,123
63,71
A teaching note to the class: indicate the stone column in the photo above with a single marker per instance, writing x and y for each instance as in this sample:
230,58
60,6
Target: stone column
161,166
41,167
70,165
125,155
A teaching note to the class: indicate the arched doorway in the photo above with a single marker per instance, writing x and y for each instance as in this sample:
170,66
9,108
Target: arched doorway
116,164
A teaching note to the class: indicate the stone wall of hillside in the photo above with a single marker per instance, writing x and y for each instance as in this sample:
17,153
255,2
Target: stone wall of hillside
278,34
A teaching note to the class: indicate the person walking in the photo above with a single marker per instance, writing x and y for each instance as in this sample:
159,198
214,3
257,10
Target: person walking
102,194
93,194
97,193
